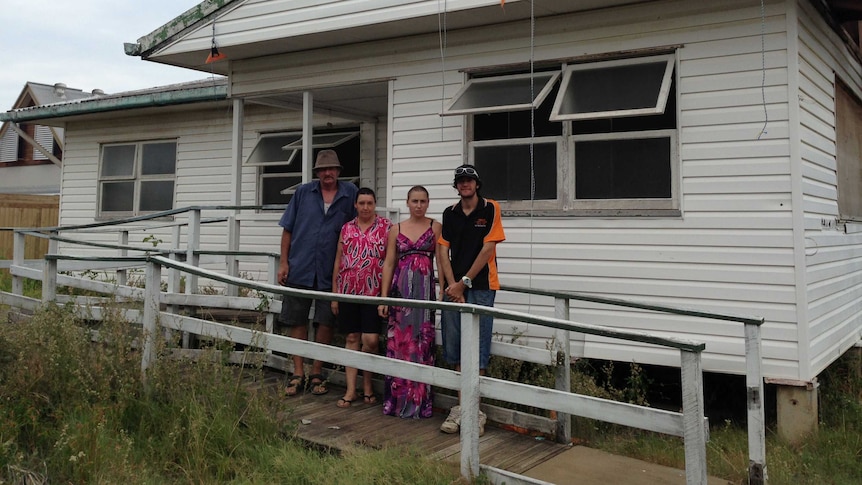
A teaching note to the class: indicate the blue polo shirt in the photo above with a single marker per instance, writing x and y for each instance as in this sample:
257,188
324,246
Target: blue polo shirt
313,234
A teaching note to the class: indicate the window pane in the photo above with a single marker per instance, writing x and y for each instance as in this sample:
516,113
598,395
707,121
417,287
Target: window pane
623,169
118,161
268,149
272,187
516,124
118,196
501,93
614,88
159,158
505,171
324,140
157,196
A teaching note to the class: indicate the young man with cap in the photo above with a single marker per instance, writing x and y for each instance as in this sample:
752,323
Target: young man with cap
312,222
467,252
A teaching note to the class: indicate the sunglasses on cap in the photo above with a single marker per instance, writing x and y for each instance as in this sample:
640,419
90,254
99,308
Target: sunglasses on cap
466,171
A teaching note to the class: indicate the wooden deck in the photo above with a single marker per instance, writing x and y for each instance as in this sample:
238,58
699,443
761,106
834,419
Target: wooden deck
365,425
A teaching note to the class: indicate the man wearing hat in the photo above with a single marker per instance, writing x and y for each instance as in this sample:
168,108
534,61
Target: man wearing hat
467,252
312,222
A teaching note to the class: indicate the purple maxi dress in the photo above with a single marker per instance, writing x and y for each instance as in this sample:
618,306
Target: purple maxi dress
410,334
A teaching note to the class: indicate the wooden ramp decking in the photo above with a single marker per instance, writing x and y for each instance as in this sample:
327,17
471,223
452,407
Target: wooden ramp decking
365,425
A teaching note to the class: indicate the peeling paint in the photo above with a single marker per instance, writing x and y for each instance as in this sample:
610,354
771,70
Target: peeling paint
168,31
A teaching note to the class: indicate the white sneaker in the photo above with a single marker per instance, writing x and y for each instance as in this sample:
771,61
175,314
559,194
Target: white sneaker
452,424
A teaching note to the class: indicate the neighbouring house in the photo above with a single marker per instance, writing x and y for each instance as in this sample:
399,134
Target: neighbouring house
31,155
697,154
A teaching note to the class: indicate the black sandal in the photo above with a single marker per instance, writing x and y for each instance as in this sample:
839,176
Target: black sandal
318,384
293,385
370,398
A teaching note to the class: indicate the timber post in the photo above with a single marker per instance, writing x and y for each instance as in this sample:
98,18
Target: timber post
694,427
122,274
756,414
49,272
151,314
470,396
18,260
563,367
192,245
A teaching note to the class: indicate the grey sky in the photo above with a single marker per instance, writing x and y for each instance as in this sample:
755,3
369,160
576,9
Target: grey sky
80,43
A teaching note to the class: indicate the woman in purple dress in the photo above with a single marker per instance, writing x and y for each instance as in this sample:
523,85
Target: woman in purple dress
408,272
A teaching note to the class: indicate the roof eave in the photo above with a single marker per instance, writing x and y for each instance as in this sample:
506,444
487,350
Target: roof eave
101,105
171,30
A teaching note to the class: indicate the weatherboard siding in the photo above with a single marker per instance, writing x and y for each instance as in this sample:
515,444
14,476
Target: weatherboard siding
732,249
833,272
203,176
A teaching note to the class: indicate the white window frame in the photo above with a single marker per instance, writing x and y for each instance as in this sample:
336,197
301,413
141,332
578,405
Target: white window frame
562,179
294,147
661,101
135,177
477,83
629,205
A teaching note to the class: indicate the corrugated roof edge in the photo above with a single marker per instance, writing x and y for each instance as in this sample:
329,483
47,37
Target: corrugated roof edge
189,92
166,33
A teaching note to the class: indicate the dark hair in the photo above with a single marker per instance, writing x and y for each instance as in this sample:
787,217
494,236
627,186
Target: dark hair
366,191
419,188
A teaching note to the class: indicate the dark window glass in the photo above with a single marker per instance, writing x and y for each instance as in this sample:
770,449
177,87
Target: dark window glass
502,92
505,171
118,161
516,124
623,169
665,121
157,195
272,187
613,88
118,196
159,158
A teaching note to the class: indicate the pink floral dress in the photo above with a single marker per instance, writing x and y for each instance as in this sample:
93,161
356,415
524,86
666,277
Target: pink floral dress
410,334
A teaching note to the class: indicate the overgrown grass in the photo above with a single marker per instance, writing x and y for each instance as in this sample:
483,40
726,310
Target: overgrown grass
32,288
832,456
74,411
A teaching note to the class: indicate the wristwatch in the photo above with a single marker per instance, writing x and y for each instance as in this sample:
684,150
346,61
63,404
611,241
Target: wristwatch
467,281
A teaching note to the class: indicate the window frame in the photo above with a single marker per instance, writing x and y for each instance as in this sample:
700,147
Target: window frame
538,96
661,101
525,205
136,177
631,206
295,147
566,203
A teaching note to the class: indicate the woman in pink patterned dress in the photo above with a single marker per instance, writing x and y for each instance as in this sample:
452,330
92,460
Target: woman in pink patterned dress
408,272
358,271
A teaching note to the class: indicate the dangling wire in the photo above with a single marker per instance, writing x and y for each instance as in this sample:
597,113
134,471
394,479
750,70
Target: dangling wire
441,32
763,68
532,135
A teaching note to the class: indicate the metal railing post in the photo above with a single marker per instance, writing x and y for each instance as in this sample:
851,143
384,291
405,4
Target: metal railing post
469,395
122,275
756,415
694,430
563,369
151,314
18,242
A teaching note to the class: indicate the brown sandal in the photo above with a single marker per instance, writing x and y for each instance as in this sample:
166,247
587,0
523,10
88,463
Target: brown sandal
318,384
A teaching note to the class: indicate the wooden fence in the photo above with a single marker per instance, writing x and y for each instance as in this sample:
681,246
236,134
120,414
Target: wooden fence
20,210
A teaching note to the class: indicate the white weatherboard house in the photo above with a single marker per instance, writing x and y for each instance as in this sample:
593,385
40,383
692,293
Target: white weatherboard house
696,154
